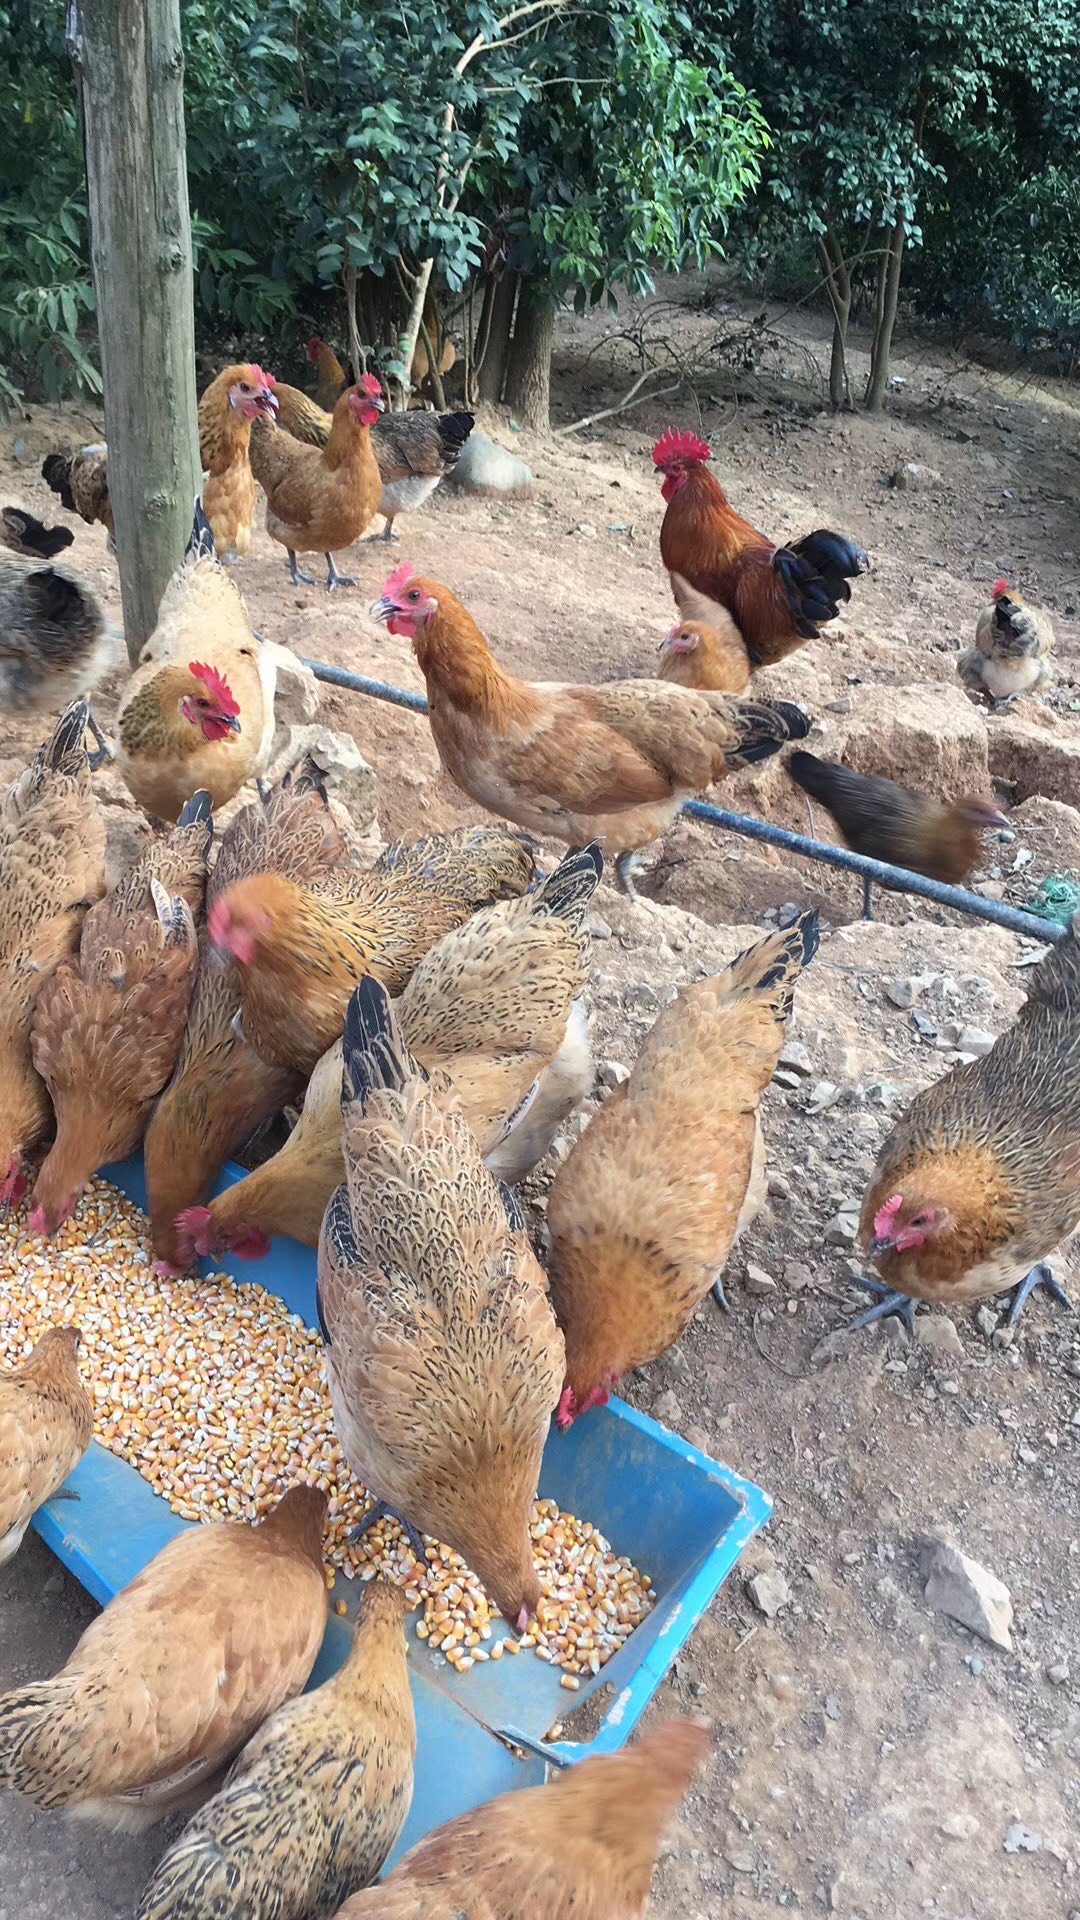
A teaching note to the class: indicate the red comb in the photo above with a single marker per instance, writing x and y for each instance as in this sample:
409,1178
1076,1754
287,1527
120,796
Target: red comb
260,378
217,687
314,345
368,384
999,587
674,445
398,579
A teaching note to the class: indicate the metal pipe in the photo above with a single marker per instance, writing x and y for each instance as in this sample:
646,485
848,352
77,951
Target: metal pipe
898,878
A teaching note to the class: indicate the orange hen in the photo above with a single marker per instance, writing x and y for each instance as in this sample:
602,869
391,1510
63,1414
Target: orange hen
320,499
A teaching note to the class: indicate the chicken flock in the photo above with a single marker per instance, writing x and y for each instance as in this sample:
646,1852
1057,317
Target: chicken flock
427,1012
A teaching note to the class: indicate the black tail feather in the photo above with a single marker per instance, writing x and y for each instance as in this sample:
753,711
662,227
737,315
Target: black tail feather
454,430
568,890
768,726
374,1055
201,544
68,736
56,471
33,536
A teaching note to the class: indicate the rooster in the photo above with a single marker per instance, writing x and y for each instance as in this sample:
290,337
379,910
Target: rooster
777,596
1013,644
612,763
46,1421
198,712
888,822
323,498
581,1848
442,1354
109,1023
239,395
164,1687
22,533
300,950
414,451
980,1179
646,1208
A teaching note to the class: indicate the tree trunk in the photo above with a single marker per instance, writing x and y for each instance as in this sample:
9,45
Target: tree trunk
493,343
528,375
357,363
838,287
130,64
888,297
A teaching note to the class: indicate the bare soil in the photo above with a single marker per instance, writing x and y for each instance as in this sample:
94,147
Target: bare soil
871,1756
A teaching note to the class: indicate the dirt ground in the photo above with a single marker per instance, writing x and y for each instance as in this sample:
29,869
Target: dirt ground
873,1758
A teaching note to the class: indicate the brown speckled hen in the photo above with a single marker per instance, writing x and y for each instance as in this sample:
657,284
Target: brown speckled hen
443,1358
45,1425
316,1800
165,1686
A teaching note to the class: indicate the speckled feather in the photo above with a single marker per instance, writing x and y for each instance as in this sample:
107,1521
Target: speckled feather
998,1143
222,1090
444,1360
315,1801
52,866
644,1211
165,1685
45,1425
581,1848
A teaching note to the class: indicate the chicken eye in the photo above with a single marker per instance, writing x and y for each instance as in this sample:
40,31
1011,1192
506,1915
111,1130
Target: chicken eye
414,595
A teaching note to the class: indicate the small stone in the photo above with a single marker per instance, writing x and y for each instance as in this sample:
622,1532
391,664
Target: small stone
613,1074
883,1093
901,993
797,1276
779,1186
838,706
758,1281
599,928
796,1057
924,1025
937,1331
822,1096
587,530
1058,1673
959,1826
969,1593
976,1040
991,889
1021,1839
986,1320
832,1707
667,1409
741,1862
769,1592
842,1230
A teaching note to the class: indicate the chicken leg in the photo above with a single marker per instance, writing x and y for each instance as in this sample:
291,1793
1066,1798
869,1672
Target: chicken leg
1040,1276
104,752
380,1511
625,866
334,578
296,574
888,1303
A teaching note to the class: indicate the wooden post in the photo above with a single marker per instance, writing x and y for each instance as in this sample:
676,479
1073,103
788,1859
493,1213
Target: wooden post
130,65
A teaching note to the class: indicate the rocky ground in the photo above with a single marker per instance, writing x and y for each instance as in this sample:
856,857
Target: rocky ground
874,1758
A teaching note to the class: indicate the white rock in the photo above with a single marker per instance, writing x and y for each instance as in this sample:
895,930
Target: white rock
769,1592
613,1074
842,1230
976,1041
796,1058
348,776
296,698
969,1593
937,1331
758,1281
485,467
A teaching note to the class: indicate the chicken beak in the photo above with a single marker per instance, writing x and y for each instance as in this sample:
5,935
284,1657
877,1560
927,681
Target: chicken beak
232,721
880,1246
270,404
382,609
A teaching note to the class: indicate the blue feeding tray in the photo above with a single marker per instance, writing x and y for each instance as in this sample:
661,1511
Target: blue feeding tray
679,1516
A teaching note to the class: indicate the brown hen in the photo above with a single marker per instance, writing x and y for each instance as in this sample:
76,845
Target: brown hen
320,499
45,1425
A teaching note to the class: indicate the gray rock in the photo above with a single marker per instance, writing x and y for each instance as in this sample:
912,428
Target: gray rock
1021,1839
769,1592
296,697
613,1074
842,1230
668,1409
823,1095
796,1058
976,1041
778,1186
901,993
968,1592
485,467
937,1331
758,1281
598,928
797,1276
348,776
1058,1673
959,1826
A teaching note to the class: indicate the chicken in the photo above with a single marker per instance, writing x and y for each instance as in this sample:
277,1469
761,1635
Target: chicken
1013,644
704,648
611,763
239,395
108,1025
23,533
646,1208
54,644
165,1686
888,822
52,868
329,373
302,949
414,451
198,711
222,1092
316,1800
492,1003
45,1425
442,1354
581,1848
319,498
979,1180
82,482
778,596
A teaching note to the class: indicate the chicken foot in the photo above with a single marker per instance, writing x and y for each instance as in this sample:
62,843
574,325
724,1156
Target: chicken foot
296,574
392,539
888,1303
1040,1276
104,752
626,865
380,1511
336,579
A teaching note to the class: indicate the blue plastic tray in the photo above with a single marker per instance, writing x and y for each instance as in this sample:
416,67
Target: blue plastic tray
680,1516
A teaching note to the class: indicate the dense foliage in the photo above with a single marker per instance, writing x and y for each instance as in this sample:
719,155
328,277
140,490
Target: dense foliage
930,148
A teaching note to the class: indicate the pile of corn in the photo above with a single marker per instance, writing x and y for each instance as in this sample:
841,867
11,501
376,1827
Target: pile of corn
215,1392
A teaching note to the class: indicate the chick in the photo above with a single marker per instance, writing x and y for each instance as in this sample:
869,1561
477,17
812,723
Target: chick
644,1211
443,1358
315,1801
582,1848
45,1426
165,1686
